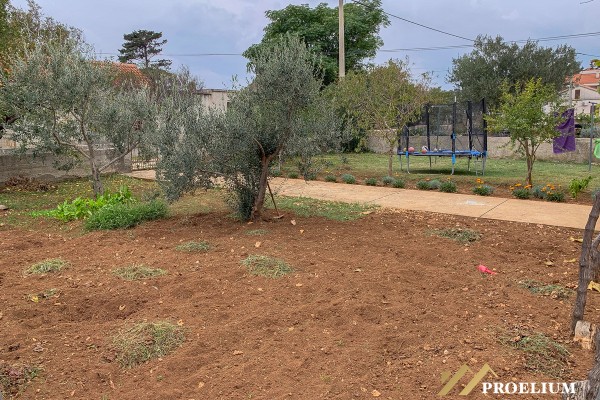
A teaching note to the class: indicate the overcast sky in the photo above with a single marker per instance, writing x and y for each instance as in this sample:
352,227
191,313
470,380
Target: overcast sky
231,26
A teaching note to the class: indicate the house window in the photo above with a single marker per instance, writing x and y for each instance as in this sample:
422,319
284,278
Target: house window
577,94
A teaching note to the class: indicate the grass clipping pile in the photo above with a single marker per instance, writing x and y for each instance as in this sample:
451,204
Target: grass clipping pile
145,341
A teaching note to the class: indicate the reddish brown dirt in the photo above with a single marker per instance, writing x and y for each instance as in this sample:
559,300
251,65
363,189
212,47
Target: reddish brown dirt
373,305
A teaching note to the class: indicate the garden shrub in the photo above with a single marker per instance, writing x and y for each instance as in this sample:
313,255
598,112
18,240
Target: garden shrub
557,196
398,183
348,178
483,190
388,180
448,187
330,178
520,191
118,216
429,185
539,192
371,181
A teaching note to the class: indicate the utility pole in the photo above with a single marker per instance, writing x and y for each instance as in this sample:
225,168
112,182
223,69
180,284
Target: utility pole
342,55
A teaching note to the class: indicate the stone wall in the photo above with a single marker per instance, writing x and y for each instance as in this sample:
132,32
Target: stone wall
41,168
499,147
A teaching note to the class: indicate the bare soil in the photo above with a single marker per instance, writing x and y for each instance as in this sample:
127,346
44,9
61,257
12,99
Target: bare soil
376,307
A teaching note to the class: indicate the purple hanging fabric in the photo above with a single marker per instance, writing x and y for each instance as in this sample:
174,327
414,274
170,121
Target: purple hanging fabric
565,142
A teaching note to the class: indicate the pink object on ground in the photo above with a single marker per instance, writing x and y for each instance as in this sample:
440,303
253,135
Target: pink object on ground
485,270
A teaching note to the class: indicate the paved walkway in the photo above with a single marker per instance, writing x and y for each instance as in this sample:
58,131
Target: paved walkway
534,212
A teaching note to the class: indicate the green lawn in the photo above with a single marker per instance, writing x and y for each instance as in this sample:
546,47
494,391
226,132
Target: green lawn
498,172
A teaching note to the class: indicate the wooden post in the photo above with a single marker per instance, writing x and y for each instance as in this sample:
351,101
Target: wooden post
588,263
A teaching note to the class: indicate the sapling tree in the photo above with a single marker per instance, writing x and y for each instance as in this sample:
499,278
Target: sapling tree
383,100
530,112
71,105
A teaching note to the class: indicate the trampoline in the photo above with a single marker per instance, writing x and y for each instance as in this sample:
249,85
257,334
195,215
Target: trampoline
447,130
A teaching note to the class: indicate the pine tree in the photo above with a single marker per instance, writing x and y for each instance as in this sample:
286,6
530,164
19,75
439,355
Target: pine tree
143,45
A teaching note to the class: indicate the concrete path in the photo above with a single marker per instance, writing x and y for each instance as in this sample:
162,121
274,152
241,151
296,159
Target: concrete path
534,212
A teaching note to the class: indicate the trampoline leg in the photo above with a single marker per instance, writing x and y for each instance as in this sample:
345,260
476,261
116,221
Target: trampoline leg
483,168
429,162
469,166
408,164
400,157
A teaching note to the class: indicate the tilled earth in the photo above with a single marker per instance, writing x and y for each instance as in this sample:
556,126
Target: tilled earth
375,308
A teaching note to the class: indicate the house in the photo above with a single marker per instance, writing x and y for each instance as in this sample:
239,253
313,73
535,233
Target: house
583,91
217,98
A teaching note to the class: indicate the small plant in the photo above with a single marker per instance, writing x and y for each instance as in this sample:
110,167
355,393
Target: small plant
554,291
448,187
145,341
276,172
434,184
539,192
194,247
348,178
459,234
388,180
483,190
310,176
81,208
293,175
136,272
578,185
47,266
542,354
119,216
371,181
557,197
330,178
15,378
268,267
520,191
398,184
256,232
423,185
429,185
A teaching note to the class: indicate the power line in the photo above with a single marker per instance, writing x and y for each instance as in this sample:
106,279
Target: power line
413,22
183,55
462,46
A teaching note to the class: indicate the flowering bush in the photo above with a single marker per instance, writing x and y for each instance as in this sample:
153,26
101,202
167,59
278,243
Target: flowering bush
520,191
482,189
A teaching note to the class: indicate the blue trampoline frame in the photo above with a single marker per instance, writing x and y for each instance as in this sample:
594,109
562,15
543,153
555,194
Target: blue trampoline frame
471,153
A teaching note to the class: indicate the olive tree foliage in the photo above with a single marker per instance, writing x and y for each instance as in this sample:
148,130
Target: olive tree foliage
20,30
282,109
70,105
530,112
383,100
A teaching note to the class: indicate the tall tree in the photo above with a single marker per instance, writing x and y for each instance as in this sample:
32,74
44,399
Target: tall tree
481,73
143,45
530,112
383,100
318,28
71,105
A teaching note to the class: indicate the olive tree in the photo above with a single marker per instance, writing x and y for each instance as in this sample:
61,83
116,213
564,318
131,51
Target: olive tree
71,105
280,110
